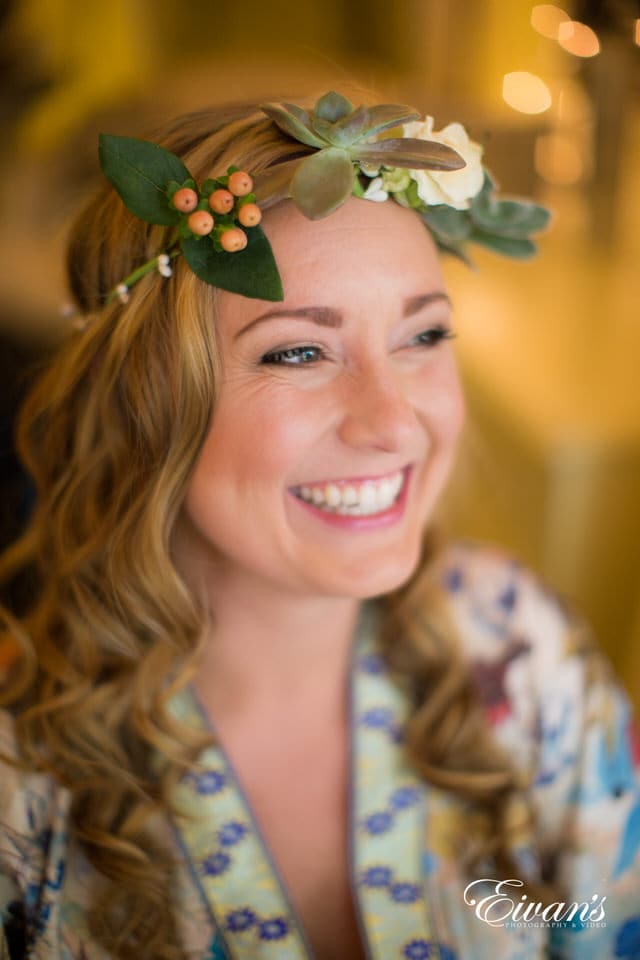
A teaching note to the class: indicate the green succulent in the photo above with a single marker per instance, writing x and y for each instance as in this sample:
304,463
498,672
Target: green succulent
340,135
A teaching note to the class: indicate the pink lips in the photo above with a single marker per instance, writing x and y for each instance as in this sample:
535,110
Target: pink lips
370,522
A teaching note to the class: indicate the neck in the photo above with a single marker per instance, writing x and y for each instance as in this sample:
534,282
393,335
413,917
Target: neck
269,651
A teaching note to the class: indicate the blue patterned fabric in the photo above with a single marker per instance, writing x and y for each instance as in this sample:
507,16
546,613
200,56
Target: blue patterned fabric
565,723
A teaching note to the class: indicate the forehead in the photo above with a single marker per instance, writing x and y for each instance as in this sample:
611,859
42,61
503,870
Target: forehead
361,255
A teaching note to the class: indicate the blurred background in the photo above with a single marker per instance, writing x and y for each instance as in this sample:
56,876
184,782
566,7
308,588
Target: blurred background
549,348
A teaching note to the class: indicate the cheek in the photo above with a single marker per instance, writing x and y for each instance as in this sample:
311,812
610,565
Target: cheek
442,400
454,408
256,443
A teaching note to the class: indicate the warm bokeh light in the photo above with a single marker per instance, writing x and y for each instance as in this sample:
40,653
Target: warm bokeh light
547,19
579,39
526,92
637,32
558,160
573,105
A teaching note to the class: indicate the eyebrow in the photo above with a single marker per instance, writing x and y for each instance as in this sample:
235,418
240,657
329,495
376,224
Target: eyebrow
330,317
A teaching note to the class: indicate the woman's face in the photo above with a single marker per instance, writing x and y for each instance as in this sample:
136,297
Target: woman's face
338,412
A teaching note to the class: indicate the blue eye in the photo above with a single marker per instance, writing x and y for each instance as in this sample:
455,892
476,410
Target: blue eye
433,336
292,356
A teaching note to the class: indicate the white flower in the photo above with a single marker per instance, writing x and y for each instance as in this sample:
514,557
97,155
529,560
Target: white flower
163,262
375,192
122,293
453,187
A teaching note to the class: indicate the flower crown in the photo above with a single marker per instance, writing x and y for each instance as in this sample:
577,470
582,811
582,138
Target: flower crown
352,151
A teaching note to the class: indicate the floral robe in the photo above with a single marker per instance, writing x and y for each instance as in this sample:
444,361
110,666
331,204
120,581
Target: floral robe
569,731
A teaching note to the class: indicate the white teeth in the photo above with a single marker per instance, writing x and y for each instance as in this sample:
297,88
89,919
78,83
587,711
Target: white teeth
349,496
333,495
396,483
387,490
368,495
354,499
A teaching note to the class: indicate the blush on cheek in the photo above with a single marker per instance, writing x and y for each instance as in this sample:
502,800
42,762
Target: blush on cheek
457,413
447,408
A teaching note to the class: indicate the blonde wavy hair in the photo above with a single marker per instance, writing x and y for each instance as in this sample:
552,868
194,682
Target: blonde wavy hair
110,433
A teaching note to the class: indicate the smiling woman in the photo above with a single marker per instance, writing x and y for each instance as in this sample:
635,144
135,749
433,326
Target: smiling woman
370,393
259,710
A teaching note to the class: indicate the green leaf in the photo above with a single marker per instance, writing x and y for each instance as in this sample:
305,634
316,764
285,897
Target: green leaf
299,113
519,248
208,187
508,217
291,125
513,218
409,152
140,171
325,130
455,249
251,272
344,132
413,198
352,126
387,115
272,185
332,106
322,182
454,226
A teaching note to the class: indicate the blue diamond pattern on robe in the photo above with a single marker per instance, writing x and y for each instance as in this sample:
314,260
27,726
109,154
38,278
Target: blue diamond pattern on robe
239,920
274,929
216,864
211,781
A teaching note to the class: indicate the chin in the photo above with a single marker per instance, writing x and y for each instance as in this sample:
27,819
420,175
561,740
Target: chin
373,579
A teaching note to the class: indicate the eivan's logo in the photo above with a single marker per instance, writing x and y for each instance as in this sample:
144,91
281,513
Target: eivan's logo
503,907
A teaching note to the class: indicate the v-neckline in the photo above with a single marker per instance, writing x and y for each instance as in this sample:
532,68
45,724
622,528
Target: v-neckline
235,870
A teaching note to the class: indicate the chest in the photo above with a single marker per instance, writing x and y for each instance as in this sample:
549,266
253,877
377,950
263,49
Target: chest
299,797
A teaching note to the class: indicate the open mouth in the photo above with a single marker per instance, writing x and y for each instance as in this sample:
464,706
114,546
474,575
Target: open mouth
355,498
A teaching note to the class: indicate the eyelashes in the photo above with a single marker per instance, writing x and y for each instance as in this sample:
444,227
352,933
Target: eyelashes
293,356
309,354
434,335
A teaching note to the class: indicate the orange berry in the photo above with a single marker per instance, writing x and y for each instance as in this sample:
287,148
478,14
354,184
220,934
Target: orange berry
250,215
185,199
233,240
200,223
221,201
240,183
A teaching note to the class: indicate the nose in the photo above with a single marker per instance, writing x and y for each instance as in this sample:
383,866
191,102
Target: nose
377,412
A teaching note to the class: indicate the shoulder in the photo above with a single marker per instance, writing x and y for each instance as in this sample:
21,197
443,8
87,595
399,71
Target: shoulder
503,612
18,785
550,694
536,666
555,705
33,814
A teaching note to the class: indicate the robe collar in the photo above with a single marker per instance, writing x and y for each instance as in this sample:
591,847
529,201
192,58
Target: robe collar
236,873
